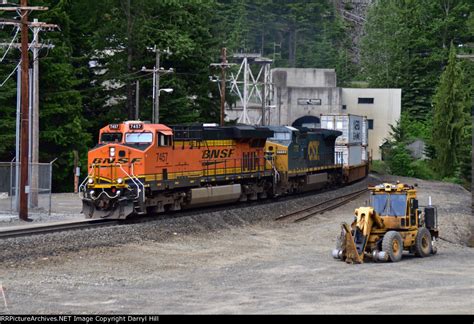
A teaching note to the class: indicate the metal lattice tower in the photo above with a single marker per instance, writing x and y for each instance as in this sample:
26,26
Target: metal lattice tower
253,90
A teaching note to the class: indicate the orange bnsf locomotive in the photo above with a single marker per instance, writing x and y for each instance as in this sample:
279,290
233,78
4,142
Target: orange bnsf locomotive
140,168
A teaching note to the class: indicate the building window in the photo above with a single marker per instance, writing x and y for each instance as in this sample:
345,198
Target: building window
344,107
370,123
366,100
309,102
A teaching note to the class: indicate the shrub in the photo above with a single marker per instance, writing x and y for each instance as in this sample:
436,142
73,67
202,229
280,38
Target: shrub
422,169
379,167
399,161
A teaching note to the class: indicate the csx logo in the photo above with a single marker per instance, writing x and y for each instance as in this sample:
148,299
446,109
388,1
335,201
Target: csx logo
114,160
217,154
313,150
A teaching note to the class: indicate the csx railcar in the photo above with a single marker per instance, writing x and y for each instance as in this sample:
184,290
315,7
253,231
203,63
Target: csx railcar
140,168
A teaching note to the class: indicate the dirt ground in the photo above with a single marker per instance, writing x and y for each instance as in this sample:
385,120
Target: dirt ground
264,267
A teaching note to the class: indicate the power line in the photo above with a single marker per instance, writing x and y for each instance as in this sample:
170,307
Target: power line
157,71
95,88
10,45
223,65
9,76
19,63
23,119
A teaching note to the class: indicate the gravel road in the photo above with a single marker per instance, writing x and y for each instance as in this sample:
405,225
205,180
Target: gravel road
238,260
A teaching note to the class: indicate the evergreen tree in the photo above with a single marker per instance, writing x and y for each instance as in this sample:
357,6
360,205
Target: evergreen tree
451,103
406,46
187,29
295,34
8,96
62,122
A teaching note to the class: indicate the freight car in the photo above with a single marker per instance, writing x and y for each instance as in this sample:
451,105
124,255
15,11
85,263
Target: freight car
140,168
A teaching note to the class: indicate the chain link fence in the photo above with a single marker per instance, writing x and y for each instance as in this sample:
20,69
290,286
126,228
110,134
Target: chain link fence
39,188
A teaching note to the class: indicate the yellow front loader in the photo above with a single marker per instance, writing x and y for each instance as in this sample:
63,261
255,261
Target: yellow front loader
393,223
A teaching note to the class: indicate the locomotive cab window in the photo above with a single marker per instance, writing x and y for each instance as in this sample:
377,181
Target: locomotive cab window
281,136
111,138
139,138
164,139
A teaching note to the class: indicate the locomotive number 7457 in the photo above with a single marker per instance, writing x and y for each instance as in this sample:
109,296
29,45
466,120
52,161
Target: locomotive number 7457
161,157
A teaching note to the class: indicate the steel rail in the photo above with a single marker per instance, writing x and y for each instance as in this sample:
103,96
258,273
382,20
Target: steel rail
322,207
45,228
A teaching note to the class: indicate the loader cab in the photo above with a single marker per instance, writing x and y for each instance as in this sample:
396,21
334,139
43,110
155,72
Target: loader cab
396,204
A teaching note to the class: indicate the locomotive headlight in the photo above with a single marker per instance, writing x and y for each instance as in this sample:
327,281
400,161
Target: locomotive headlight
91,193
118,192
119,180
90,181
112,151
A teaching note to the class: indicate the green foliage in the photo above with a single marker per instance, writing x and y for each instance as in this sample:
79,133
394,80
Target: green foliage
7,99
77,97
62,122
451,104
415,129
399,161
406,44
379,166
293,33
470,23
422,169
88,79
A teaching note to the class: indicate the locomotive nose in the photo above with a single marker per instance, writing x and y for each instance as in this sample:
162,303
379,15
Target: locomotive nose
111,165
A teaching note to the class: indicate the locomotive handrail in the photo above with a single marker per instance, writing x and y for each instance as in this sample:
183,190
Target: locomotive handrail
82,185
105,192
138,180
134,180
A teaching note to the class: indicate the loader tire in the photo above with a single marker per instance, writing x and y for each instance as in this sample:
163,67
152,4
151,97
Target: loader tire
423,243
392,244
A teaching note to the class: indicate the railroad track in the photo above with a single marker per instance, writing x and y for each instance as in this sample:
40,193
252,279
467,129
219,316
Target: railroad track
320,208
45,228
25,230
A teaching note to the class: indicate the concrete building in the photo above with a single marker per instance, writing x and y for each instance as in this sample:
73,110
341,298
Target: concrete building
382,108
300,96
301,93
417,149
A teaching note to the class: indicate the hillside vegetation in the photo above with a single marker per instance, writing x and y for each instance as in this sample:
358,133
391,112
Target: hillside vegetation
88,79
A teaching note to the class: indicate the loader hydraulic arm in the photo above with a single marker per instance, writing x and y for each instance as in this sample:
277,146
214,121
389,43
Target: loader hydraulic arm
354,238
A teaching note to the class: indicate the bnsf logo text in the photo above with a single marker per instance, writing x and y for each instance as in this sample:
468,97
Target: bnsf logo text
113,160
217,154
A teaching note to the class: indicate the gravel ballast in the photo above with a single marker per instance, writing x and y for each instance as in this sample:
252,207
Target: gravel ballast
236,259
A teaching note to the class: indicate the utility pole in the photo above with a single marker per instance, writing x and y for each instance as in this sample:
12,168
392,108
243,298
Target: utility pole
156,112
223,65
224,61
137,101
157,71
23,10
35,47
24,113
35,120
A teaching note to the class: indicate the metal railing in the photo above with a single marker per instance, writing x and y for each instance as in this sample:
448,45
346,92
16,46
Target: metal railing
39,188
82,186
135,180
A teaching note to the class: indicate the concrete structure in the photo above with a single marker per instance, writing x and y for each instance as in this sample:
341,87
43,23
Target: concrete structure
296,93
300,96
417,149
382,108
303,92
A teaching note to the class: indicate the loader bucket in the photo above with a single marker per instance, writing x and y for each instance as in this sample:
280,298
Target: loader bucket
350,254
